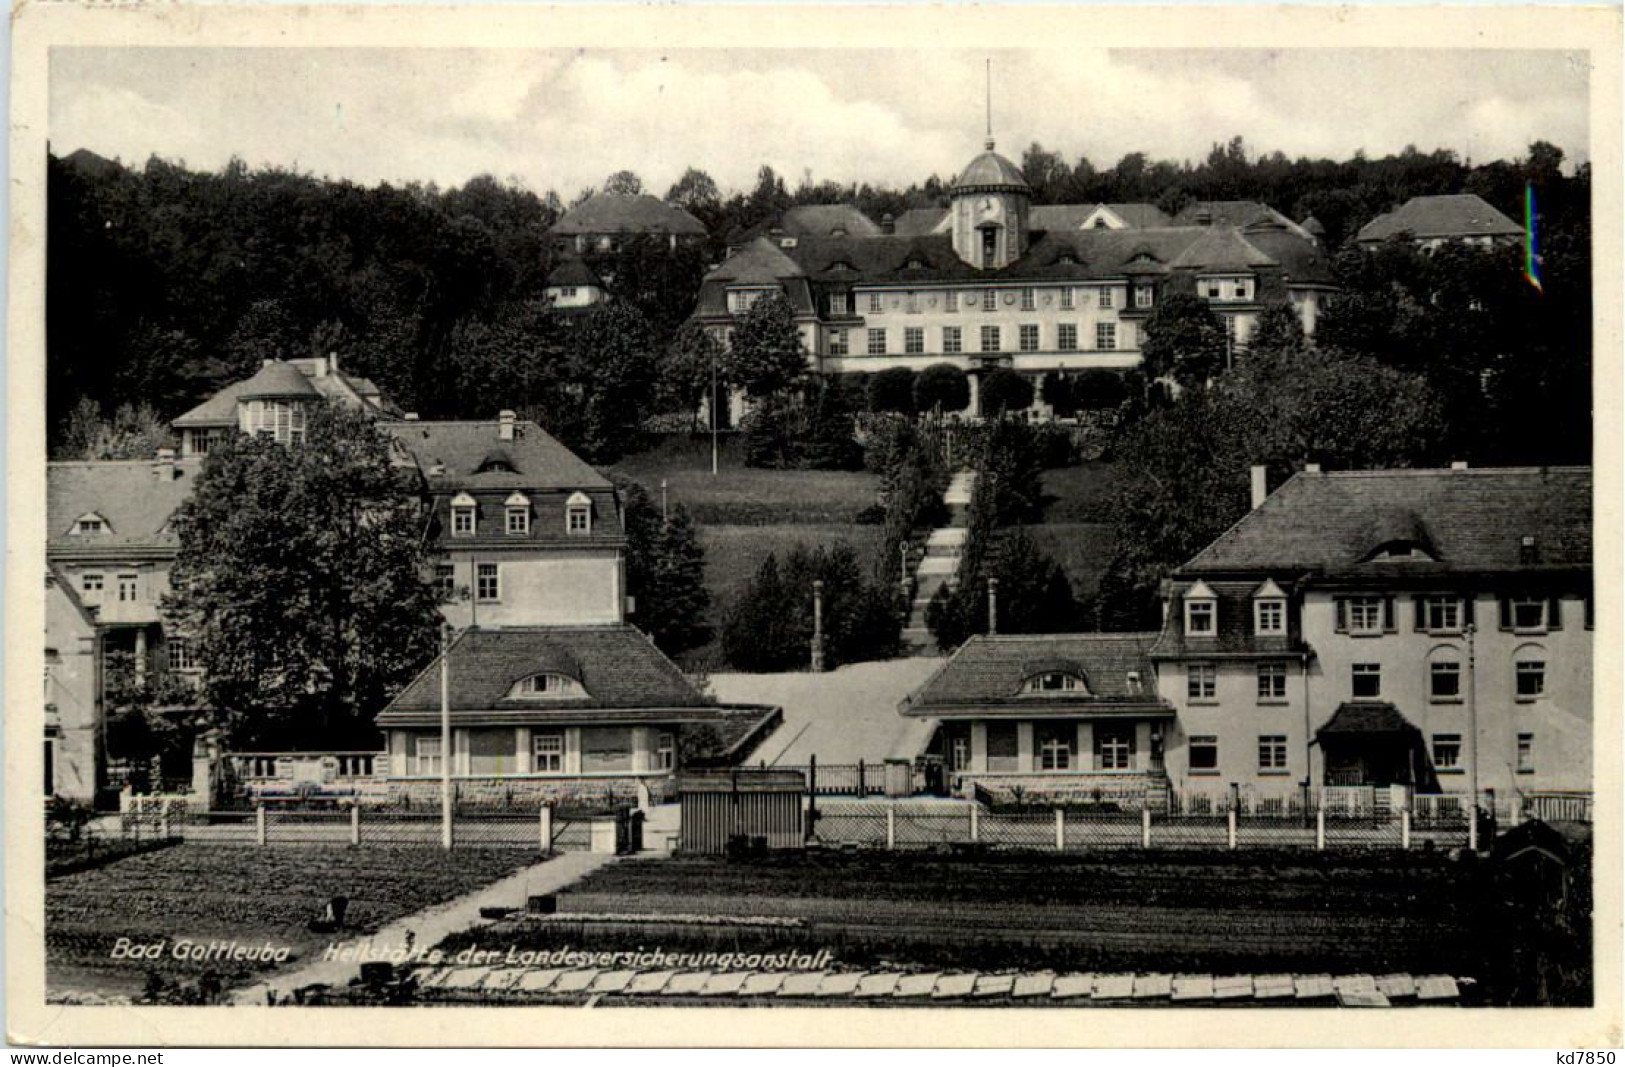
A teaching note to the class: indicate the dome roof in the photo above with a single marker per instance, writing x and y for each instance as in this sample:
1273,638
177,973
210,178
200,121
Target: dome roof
991,171
276,379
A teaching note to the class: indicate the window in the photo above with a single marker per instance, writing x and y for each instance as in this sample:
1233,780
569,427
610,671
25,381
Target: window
959,752
518,518
1243,288
990,246
1439,614
665,751
1055,747
1447,752
445,580
547,752
1028,302
874,303
838,345
1367,681
1201,681
282,420
1444,681
911,303
837,303
91,586
92,525
1105,336
544,687
1531,678
1212,290
1068,299
1526,753
990,338
1271,752
1271,681
951,342
129,588
1066,335
1134,682
1105,297
1204,750
488,583
181,655
1269,616
1142,296
1365,614
1029,337
578,514
1114,747
1527,613
462,520
427,754
914,341
567,291
1200,615
1054,682
950,303
990,300
877,342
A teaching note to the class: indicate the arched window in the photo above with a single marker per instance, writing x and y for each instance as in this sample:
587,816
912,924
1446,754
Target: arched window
578,514
463,509
545,686
516,510
1447,680
1529,672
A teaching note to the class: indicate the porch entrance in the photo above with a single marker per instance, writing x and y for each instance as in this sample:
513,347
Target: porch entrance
1372,744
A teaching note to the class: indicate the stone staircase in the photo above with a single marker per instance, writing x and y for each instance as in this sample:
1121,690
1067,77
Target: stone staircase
939,566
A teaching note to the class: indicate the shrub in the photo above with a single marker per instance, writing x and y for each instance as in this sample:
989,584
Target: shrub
944,386
892,390
1005,391
1099,390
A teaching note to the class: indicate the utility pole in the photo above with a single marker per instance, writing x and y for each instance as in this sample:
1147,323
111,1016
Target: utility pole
663,501
713,413
1470,630
818,627
445,736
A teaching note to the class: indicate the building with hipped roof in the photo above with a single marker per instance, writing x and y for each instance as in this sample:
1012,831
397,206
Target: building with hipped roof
995,282
276,400
1428,222
1381,628
604,220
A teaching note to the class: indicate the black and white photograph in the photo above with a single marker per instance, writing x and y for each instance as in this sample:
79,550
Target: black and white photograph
679,519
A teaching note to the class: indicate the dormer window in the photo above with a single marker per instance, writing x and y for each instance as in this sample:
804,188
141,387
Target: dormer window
578,514
516,510
1201,611
91,524
1269,610
463,509
1134,684
545,686
1055,682
837,303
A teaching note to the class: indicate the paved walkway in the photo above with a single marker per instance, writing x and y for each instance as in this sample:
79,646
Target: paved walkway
431,925
939,566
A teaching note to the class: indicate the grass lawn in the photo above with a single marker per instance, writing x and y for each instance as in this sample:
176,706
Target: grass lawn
1218,913
248,895
1083,549
746,496
1082,493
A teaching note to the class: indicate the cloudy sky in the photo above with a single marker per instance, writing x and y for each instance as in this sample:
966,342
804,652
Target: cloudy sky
564,120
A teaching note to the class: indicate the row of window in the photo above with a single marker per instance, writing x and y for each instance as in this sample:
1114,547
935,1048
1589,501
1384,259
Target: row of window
1028,298
1203,753
991,338
283,420
1055,748
487,581
516,518
1371,615
1365,682
1447,753
93,588
495,752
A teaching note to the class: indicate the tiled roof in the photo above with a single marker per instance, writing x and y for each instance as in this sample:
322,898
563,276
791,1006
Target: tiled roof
1234,624
221,408
452,453
1458,215
758,261
1329,523
988,671
991,171
573,272
618,669
815,220
277,379
1140,216
919,220
620,213
1222,249
135,497
1238,213
1059,216
1366,717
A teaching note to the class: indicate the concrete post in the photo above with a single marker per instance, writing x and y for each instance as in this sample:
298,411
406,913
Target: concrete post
891,827
1320,829
1472,824
1405,828
259,825
1060,830
975,822
163,820
1230,821
355,823
544,827
992,606
818,627
1145,827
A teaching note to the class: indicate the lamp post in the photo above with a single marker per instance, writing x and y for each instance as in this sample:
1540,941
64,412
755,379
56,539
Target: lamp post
445,736
1469,631
713,413
818,627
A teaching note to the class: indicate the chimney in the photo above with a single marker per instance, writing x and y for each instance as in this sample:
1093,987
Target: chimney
333,362
320,363
1459,465
888,224
992,606
1261,485
163,468
1311,468
505,425
410,416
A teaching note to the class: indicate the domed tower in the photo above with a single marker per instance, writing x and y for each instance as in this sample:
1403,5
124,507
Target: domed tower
275,402
990,202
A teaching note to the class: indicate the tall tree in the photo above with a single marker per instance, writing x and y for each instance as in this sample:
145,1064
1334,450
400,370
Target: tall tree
1184,341
623,183
302,577
665,572
613,359
767,356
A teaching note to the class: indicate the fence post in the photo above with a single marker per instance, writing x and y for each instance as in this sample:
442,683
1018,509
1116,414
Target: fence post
544,827
259,824
891,826
1320,828
1060,829
163,819
1405,828
355,823
1145,827
1472,824
975,822
1230,827
863,789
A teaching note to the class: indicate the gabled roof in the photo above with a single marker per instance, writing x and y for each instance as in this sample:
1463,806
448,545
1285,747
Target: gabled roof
1238,213
987,673
1327,523
136,497
621,213
1222,248
573,272
1456,215
618,668
1366,717
221,409
452,453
